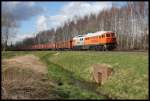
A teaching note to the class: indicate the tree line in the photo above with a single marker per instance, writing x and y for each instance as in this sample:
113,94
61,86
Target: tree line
129,22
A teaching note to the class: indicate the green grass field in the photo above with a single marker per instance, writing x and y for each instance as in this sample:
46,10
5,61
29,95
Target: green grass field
71,69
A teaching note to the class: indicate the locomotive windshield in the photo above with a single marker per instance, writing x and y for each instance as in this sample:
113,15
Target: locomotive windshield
107,35
113,34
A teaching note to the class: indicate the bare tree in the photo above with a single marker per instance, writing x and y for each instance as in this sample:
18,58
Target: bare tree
9,26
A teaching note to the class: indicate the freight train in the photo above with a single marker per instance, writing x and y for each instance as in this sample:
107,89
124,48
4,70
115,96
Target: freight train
100,40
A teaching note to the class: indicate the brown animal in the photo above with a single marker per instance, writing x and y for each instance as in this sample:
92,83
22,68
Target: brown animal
100,72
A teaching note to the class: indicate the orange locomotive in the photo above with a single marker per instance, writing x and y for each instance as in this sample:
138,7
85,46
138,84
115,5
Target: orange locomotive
101,40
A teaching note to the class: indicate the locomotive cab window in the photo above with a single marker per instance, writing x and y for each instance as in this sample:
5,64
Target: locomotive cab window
107,35
112,34
81,39
87,38
102,36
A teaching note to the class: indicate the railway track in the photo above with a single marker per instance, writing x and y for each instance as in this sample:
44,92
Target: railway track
84,50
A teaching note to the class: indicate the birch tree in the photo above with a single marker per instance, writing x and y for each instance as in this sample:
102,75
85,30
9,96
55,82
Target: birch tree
9,27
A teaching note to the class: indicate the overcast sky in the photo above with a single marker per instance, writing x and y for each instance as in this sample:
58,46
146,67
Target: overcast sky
38,16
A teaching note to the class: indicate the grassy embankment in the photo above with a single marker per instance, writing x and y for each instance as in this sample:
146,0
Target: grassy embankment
72,72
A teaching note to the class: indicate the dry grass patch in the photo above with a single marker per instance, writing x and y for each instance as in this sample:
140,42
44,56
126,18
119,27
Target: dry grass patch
24,77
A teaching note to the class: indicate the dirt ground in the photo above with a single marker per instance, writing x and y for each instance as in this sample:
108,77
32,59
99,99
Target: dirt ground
25,77
27,61
101,72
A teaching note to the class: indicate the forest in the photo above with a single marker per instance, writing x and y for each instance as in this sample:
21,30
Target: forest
129,22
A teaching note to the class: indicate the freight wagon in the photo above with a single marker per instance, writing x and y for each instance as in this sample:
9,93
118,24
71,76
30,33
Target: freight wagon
101,40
